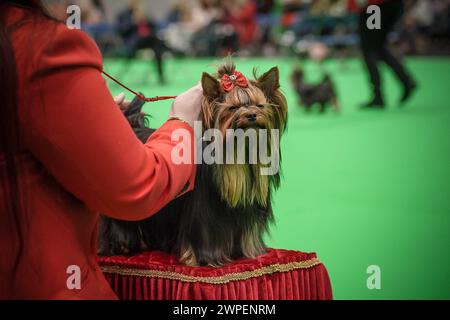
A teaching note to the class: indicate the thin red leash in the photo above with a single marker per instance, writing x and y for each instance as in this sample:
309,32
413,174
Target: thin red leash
139,95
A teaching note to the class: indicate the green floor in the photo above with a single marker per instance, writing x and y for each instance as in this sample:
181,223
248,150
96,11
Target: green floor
360,188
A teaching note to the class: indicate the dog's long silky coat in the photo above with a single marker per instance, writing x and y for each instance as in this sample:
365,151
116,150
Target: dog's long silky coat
227,214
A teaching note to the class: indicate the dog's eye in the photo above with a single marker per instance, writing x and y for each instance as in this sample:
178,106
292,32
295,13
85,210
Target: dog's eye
260,106
233,108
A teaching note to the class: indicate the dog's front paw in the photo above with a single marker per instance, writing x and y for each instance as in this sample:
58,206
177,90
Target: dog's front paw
216,259
187,257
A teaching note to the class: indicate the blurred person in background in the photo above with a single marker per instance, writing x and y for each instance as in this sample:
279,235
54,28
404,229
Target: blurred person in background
418,20
191,27
204,19
203,29
177,32
95,23
139,32
291,11
265,21
241,15
374,48
428,26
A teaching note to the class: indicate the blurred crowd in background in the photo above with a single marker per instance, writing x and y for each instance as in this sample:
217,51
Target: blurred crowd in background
313,28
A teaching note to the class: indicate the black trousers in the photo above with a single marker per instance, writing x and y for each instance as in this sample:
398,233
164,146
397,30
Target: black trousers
374,44
158,47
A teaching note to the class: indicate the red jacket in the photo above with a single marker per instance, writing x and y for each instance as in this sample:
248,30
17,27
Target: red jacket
80,157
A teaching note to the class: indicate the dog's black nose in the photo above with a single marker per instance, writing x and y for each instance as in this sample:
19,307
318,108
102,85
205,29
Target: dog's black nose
251,117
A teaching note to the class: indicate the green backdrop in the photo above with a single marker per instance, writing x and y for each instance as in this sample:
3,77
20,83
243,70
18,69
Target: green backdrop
360,188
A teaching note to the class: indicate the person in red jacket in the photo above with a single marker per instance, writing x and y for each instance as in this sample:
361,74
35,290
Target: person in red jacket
374,47
241,14
68,153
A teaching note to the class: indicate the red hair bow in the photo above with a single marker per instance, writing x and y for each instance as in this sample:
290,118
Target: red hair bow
236,79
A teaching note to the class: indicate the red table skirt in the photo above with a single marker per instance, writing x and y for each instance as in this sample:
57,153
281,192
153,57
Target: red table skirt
277,275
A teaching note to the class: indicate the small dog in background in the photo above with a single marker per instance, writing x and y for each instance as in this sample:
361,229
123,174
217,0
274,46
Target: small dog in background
227,214
322,93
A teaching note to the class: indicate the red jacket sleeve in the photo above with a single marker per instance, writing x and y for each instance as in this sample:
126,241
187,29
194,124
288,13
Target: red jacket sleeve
72,125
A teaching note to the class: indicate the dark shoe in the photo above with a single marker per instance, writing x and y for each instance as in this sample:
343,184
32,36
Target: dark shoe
376,103
408,90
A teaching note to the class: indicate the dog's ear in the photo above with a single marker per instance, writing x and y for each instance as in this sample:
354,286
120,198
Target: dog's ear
269,81
210,85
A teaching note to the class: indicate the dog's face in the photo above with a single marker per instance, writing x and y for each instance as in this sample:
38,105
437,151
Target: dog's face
260,104
234,102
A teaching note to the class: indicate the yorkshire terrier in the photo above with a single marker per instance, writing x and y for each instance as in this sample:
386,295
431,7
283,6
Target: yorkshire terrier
322,93
227,214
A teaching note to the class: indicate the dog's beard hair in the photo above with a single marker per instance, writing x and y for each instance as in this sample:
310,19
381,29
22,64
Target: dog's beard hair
242,185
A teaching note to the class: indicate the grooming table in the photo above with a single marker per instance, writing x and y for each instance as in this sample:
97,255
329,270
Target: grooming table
276,275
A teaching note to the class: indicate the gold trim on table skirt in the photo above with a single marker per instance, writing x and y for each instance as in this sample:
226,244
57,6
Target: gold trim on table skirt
270,269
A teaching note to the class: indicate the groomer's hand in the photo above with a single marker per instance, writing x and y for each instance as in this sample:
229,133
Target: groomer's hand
187,105
121,102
